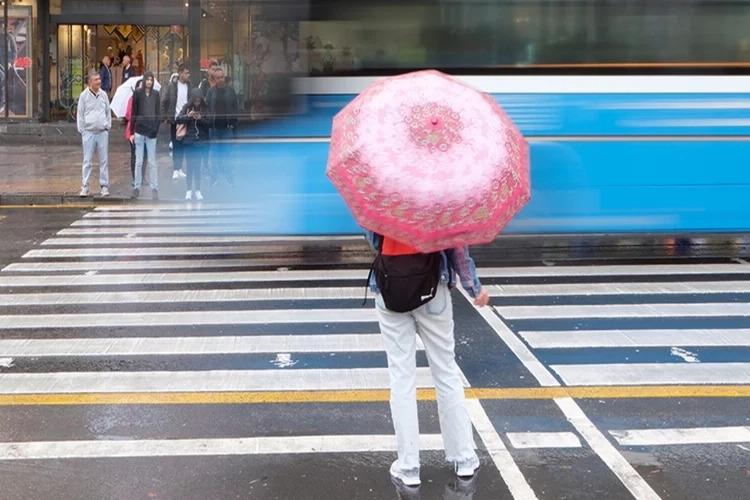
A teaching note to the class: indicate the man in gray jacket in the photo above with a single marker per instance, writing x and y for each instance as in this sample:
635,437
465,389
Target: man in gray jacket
94,122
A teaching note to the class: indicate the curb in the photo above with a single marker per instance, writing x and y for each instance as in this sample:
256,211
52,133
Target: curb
56,199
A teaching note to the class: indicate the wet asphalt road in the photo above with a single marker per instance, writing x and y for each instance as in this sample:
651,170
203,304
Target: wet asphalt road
183,369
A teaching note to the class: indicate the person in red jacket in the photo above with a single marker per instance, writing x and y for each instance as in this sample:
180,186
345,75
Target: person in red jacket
127,137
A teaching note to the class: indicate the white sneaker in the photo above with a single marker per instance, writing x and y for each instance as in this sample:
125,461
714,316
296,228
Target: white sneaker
467,467
105,191
175,175
408,477
198,195
181,174
189,195
84,192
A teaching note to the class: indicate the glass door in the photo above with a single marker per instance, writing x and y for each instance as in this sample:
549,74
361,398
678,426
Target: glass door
75,57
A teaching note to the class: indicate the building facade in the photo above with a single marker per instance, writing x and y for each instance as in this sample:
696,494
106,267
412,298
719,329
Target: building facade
51,45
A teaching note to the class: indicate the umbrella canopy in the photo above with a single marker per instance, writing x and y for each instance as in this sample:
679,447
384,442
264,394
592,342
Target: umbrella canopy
123,94
429,161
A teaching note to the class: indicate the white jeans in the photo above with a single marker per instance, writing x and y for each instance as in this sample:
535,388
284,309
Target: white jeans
433,322
99,142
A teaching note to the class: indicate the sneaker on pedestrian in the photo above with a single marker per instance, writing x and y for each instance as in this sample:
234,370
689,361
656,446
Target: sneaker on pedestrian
155,194
189,195
467,467
105,191
410,477
181,174
198,195
136,194
175,175
84,192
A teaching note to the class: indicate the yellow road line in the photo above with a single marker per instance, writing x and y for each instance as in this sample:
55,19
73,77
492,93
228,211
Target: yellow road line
371,396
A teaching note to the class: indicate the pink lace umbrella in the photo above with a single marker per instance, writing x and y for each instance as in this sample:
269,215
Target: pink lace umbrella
429,161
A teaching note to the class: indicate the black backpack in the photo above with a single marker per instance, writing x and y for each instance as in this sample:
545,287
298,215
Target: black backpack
407,282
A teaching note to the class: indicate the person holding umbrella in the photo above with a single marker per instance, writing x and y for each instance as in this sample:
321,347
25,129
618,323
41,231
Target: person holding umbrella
428,166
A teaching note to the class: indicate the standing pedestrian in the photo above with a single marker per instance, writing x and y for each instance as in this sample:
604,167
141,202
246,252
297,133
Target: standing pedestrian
210,80
144,127
175,98
127,68
105,73
94,121
222,103
413,298
195,115
128,118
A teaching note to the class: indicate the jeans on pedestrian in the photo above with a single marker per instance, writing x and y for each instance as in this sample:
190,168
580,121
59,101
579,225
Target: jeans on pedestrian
132,162
141,142
195,154
222,154
99,142
178,148
433,322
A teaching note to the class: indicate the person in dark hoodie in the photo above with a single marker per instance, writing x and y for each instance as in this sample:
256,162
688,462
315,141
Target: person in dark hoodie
195,114
144,127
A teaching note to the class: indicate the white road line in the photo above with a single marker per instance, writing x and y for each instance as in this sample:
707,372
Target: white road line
531,363
526,440
203,381
633,481
654,373
509,471
84,253
625,311
588,289
188,318
138,265
698,435
181,278
576,339
624,471
631,270
215,229
176,346
180,296
176,207
181,240
174,214
56,450
142,222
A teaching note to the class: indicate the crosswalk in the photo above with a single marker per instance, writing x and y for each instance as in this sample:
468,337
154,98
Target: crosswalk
151,302
628,325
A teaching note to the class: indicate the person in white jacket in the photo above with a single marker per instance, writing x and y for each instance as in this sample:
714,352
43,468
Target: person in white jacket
94,123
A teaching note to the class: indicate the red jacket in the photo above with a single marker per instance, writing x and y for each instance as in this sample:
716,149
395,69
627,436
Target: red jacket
127,117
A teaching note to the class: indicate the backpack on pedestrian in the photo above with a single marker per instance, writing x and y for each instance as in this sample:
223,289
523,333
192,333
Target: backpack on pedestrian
407,282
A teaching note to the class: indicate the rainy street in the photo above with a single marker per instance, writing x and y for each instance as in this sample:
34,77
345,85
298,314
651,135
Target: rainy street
146,355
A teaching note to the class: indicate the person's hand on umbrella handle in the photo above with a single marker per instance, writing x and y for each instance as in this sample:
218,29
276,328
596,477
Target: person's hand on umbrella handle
482,299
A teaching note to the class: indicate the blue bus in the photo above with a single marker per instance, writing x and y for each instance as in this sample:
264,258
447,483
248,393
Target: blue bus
637,111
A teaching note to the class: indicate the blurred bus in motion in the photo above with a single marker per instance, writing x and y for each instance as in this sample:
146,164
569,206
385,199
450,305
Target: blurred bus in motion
637,111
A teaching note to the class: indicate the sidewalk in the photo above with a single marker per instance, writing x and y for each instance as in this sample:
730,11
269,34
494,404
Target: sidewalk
51,174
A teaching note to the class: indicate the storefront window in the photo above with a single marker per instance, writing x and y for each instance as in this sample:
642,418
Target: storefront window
255,46
19,62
